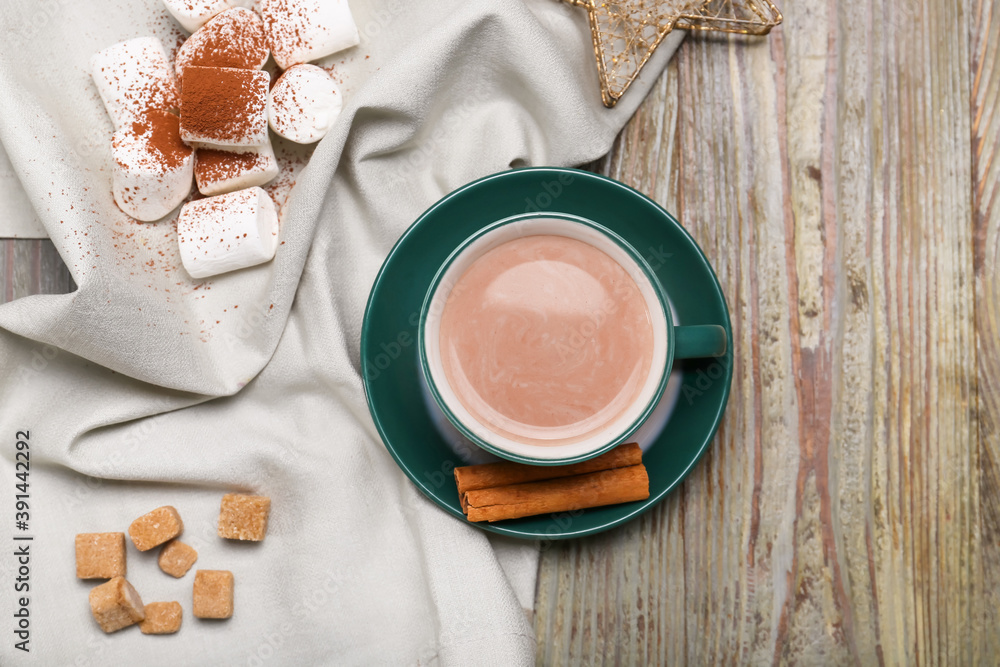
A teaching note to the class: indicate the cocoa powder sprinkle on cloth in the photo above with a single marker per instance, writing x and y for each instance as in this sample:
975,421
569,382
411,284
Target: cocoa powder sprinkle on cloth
224,107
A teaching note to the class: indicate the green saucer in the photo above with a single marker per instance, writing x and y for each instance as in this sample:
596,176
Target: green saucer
391,367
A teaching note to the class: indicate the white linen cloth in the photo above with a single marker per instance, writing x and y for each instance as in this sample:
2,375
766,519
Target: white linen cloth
17,217
144,388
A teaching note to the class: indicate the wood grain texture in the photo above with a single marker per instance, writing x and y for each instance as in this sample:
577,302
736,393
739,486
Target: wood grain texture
31,266
840,174
985,46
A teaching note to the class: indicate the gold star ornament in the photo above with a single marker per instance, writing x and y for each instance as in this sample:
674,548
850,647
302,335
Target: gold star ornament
627,32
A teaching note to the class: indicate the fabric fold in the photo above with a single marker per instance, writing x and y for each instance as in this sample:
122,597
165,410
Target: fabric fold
145,388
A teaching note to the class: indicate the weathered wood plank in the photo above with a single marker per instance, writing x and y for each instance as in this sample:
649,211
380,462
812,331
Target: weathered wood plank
848,511
985,96
31,266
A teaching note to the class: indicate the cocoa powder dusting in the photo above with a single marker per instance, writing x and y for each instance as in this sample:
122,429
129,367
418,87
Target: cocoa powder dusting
165,138
212,166
235,38
223,104
144,81
161,143
285,22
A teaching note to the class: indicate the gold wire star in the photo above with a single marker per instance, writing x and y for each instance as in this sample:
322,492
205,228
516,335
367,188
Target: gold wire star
627,32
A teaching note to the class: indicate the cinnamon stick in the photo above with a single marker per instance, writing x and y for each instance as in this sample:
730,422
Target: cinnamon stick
605,487
505,473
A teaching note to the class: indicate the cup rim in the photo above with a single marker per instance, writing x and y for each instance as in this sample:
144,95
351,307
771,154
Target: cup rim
657,289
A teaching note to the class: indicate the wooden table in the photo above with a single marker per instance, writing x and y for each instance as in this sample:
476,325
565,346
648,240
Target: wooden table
840,174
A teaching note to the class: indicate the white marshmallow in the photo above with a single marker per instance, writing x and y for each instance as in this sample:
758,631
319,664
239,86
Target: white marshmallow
133,77
300,31
192,14
234,38
224,107
228,232
304,104
218,172
147,184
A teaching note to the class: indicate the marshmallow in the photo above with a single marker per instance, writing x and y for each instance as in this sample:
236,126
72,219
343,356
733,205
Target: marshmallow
133,77
228,232
304,104
218,172
301,31
193,14
224,108
234,38
152,169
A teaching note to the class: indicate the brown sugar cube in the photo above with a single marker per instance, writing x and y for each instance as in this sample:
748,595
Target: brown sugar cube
100,555
155,528
116,605
176,558
244,517
213,594
162,618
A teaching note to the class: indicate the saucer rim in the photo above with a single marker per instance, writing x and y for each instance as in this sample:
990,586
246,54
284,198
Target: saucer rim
630,510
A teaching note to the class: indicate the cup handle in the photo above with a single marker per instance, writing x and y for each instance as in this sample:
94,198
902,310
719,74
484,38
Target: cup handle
703,340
